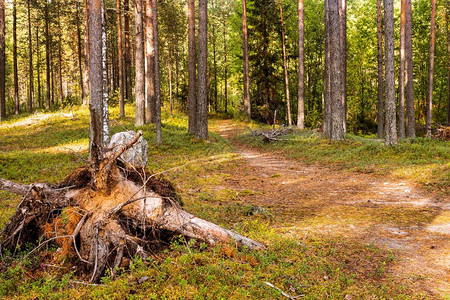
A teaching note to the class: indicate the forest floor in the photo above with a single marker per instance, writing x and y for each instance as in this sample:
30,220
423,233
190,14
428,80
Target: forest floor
336,224
394,214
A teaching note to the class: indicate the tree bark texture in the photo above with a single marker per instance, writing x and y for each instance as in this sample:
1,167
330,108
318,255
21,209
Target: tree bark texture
410,116
120,58
127,54
2,61
16,76
150,62
86,49
192,99
327,80
401,80
169,76
105,99
380,82
47,57
390,121
225,54
96,80
335,69
157,78
301,66
80,57
285,67
30,64
202,98
431,70
247,105
38,68
60,75
343,45
140,65
214,39
447,22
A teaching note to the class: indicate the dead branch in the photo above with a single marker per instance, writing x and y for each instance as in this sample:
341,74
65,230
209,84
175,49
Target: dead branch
273,134
18,188
282,292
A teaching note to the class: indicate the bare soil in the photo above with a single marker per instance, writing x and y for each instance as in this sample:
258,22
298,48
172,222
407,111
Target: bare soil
309,199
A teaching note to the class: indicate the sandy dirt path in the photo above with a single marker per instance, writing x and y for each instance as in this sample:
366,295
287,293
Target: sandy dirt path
389,213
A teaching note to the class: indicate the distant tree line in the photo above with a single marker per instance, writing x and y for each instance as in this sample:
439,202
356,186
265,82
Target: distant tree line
367,66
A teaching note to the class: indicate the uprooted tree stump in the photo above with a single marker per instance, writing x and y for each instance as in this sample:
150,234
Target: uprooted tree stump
106,213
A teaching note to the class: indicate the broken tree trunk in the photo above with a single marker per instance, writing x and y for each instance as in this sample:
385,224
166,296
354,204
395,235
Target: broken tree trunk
103,214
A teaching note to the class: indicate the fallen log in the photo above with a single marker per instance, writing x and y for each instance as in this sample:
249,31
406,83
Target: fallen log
105,213
273,134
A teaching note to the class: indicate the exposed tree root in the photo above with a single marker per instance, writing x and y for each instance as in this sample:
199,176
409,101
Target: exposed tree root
104,214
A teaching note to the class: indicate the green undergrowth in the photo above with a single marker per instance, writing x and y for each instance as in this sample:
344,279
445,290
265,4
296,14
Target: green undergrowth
425,161
46,147
314,267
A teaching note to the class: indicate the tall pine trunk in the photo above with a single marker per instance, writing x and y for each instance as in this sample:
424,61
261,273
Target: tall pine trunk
410,116
327,79
225,63
285,67
192,99
47,57
380,82
30,67
2,61
16,76
169,76
86,49
447,23
127,52
157,78
247,105
60,75
401,80
431,69
52,77
335,69
202,98
301,66
390,121
120,57
150,61
80,57
343,45
140,65
38,67
214,39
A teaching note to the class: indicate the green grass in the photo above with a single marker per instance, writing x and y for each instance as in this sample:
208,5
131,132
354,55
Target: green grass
318,267
424,161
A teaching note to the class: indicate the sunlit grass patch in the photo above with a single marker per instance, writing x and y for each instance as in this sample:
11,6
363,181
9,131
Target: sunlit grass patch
425,161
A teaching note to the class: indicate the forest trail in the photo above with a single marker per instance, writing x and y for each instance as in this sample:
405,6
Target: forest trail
316,200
